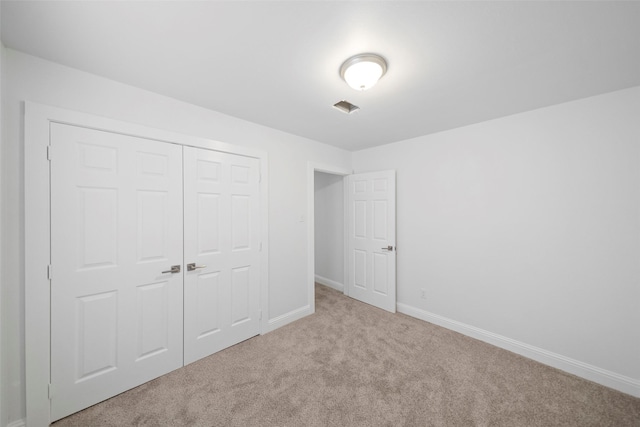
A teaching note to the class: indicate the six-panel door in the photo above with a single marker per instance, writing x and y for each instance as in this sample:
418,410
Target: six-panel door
116,221
372,238
221,206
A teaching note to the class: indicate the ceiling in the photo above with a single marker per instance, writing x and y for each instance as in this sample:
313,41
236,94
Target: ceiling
276,63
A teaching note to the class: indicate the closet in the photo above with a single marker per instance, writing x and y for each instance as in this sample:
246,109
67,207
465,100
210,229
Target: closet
155,259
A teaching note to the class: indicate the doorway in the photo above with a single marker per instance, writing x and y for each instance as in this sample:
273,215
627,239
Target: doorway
329,230
368,247
332,176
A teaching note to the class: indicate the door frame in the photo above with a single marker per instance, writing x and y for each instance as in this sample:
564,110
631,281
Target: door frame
312,168
37,249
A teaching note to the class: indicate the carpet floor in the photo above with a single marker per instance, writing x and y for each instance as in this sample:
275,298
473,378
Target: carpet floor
351,364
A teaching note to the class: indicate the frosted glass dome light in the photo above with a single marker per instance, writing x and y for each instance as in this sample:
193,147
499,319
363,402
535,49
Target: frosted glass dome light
363,71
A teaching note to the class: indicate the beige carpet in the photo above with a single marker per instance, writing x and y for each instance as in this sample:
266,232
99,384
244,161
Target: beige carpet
354,365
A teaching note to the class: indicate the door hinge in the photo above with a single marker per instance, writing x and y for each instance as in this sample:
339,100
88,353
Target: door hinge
49,152
260,177
50,390
260,315
49,272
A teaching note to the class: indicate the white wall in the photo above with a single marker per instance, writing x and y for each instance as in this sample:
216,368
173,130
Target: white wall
33,79
528,227
329,229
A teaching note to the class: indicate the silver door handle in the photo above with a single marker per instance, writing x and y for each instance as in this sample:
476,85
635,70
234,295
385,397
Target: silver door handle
174,269
388,248
193,266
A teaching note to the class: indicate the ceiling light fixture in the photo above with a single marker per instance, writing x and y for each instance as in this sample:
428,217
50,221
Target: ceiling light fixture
363,71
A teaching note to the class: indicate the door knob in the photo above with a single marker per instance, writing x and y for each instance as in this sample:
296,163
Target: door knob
193,266
174,269
388,248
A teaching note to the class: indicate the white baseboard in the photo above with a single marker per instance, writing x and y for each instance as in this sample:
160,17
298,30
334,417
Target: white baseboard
292,316
17,423
330,283
593,373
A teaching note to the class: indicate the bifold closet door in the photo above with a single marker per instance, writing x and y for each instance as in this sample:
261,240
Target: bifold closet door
222,251
116,231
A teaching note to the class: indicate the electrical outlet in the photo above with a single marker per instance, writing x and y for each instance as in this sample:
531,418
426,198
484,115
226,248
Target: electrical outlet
423,293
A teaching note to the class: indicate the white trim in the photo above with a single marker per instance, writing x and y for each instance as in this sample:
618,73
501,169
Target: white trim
3,381
292,316
37,233
37,316
312,168
17,423
264,243
345,233
584,370
330,283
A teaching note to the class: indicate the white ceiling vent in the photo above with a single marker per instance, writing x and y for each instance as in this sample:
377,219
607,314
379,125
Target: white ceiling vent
346,107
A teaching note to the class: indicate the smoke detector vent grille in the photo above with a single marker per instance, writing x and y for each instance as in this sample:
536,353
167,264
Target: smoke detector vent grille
346,107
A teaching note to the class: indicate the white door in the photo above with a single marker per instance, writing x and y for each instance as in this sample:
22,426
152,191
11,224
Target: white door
116,230
222,251
372,238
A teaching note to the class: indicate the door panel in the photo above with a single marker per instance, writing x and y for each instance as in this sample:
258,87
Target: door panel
153,311
116,221
222,296
371,228
207,312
